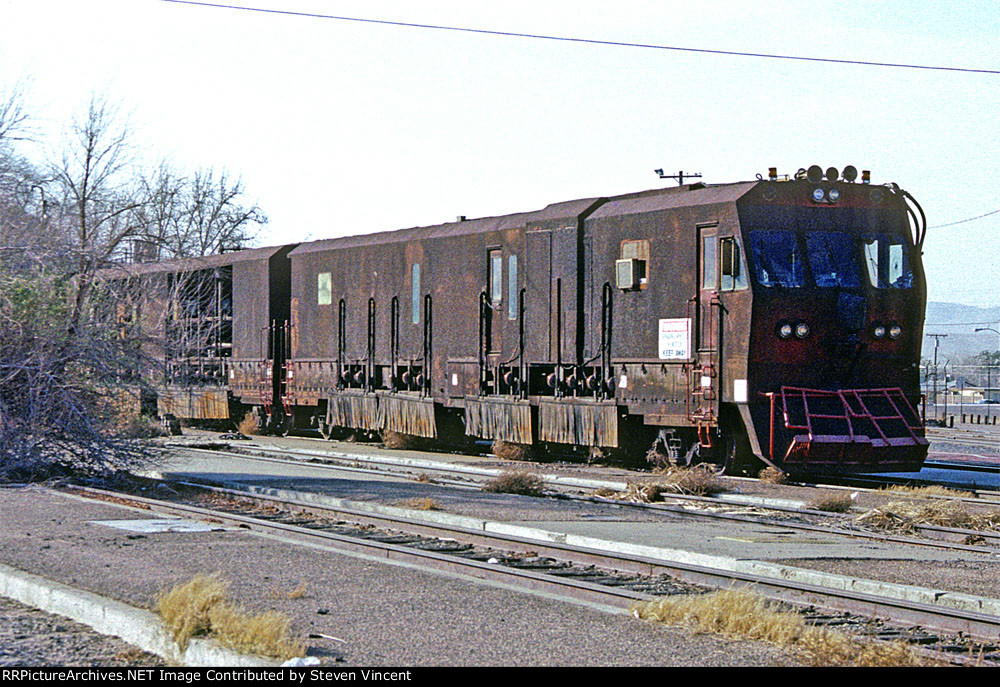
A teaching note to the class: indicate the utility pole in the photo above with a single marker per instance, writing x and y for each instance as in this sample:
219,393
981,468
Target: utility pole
937,342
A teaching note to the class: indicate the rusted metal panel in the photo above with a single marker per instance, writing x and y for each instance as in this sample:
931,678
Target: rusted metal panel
194,403
407,415
500,419
308,381
353,409
579,423
250,380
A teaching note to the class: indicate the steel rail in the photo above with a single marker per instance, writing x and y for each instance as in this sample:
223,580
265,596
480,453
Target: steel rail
948,538
969,623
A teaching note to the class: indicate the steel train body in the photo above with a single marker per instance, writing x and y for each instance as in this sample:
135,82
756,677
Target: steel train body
776,320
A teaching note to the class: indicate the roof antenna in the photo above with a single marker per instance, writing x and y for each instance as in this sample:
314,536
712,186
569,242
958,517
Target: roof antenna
679,176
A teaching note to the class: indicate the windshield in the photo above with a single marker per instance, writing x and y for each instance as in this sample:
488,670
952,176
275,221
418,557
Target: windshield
776,257
832,259
887,261
779,259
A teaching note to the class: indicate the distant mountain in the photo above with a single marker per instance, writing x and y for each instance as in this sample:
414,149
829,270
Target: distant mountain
959,323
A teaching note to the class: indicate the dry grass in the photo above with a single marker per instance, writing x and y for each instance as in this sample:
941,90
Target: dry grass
743,614
903,516
516,482
425,478
298,593
420,504
400,441
248,425
772,476
506,450
919,492
697,480
832,503
200,608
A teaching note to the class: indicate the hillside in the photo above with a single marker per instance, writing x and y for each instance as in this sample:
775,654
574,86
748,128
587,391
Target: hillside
959,323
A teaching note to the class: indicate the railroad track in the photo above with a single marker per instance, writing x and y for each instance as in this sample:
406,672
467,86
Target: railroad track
951,538
610,580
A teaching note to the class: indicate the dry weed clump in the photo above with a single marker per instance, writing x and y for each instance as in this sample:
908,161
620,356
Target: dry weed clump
832,503
516,482
507,450
920,492
421,504
772,475
248,425
697,481
200,607
743,614
400,441
298,593
904,516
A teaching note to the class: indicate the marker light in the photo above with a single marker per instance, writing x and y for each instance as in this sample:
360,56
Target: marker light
834,195
772,173
785,331
866,176
879,331
818,195
802,330
895,331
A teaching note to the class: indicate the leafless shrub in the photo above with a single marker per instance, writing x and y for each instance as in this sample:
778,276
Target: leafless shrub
506,450
516,482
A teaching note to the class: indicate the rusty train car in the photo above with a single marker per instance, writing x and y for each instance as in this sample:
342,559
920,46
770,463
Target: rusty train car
773,321
205,327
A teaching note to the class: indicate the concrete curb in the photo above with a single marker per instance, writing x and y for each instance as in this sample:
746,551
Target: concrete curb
926,595
136,626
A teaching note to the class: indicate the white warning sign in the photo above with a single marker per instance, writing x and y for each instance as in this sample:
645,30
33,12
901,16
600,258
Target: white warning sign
675,339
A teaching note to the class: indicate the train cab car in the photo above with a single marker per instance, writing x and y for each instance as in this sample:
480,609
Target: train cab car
836,324
773,321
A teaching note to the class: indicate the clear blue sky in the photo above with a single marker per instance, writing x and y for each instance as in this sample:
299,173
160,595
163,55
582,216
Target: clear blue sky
340,128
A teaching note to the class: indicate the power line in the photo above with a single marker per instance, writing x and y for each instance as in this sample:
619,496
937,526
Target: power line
570,39
963,221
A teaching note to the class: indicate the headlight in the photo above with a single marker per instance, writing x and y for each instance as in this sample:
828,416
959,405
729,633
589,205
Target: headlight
834,195
802,330
818,195
785,331
895,331
879,331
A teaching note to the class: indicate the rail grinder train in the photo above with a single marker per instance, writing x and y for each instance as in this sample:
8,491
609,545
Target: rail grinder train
775,321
